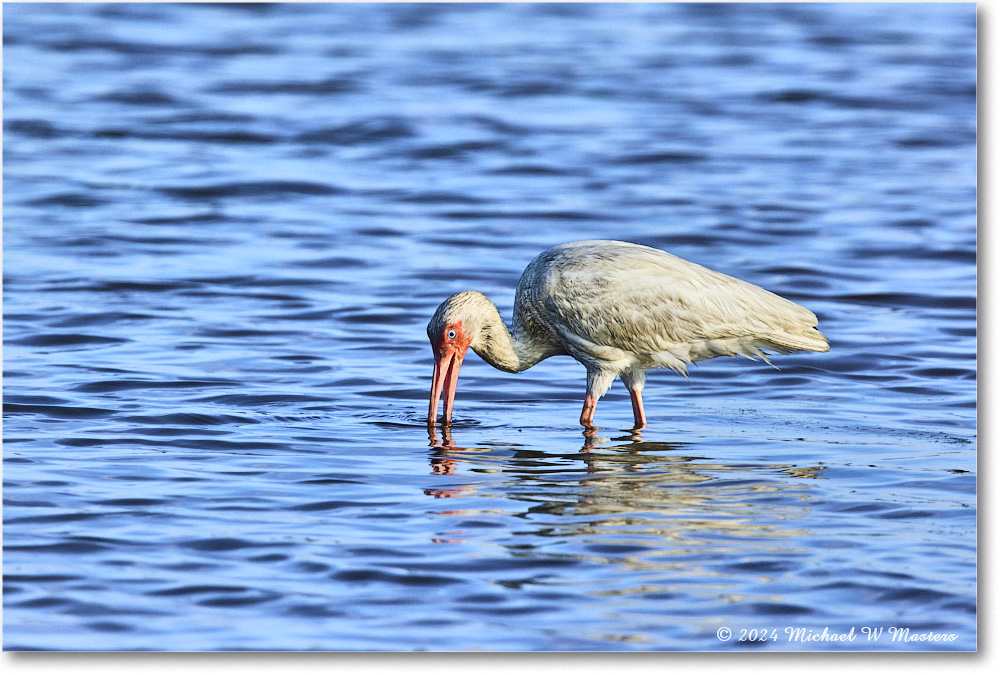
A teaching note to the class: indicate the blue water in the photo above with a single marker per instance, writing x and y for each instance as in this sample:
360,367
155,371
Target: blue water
226,227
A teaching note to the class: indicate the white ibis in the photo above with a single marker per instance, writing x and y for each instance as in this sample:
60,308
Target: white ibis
619,309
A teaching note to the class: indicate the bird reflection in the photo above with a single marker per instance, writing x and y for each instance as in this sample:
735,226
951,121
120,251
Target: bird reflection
447,456
591,439
638,505
442,462
607,475
445,441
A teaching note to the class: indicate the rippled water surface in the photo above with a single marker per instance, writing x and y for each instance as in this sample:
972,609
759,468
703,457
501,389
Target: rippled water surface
225,229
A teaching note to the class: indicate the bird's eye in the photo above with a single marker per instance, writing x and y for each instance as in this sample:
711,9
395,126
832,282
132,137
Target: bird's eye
451,335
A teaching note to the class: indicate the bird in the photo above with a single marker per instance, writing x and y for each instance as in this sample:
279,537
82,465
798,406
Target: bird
620,309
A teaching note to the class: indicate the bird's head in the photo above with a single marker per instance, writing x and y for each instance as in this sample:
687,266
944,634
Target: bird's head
454,327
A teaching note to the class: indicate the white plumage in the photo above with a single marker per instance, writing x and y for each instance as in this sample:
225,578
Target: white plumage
619,309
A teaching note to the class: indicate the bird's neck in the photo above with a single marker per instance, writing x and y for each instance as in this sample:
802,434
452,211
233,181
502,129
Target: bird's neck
504,350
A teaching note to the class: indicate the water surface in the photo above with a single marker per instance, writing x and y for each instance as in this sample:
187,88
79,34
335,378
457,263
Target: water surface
225,229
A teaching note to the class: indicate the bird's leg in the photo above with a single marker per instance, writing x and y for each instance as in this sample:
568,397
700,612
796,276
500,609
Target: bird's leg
587,416
598,382
634,381
637,410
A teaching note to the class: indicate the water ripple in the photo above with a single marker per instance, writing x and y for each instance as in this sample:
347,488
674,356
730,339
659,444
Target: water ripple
219,269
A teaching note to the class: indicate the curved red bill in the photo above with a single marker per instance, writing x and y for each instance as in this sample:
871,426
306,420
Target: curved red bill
445,379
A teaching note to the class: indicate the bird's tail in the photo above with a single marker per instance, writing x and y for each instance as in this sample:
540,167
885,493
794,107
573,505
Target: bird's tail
801,339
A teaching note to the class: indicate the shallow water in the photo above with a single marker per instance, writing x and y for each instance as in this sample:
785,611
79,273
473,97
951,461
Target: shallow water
225,229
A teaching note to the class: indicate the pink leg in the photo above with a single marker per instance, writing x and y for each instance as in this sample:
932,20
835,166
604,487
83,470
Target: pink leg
637,410
587,416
